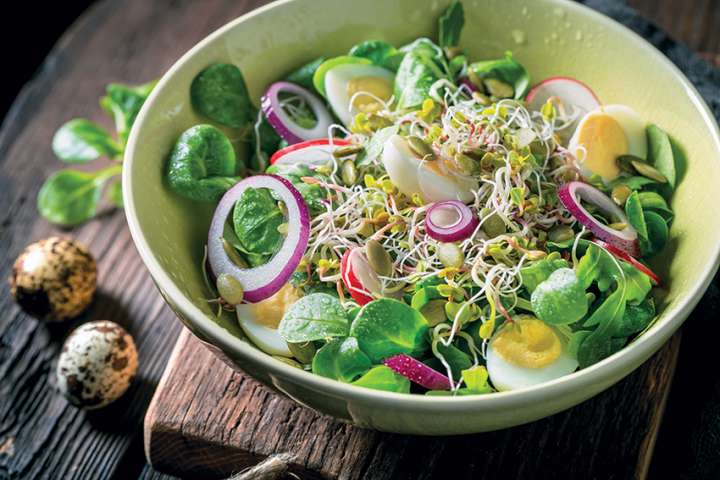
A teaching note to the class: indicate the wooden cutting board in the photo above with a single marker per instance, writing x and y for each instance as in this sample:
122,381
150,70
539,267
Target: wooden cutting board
208,421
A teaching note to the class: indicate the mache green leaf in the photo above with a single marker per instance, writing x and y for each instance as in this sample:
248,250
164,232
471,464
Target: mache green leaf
450,25
219,93
318,316
384,378
81,141
560,299
660,152
340,359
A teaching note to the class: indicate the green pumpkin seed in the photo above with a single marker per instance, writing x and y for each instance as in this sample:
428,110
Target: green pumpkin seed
620,193
349,173
561,233
304,352
289,361
376,122
233,255
619,226
230,289
493,226
420,147
434,311
348,150
466,164
481,98
648,171
450,255
378,258
498,88
282,228
624,162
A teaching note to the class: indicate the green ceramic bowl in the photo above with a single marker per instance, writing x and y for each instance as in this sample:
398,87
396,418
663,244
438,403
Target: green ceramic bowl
549,37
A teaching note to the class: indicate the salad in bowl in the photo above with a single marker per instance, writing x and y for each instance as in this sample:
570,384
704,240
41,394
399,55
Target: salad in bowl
413,220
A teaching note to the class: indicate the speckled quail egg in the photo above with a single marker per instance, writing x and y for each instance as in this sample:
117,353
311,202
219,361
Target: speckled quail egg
54,279
97,364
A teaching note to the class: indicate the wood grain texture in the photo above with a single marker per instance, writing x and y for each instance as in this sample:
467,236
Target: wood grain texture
207,421
41,435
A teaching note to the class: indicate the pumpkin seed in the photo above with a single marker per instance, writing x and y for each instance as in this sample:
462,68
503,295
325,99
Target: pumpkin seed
498,88
349,173
434,312
304,352
648,171
420,147
233,255
620,193
450,255
624,162
230,289
618,226
561,233
493,226
482,99
378,258
466,164
282,228
376,122
348,150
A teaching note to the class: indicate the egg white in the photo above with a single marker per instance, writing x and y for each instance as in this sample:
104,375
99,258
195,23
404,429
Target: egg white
336,80
265,338
508,376
412,176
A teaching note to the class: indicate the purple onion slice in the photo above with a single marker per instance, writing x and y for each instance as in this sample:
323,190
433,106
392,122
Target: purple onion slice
283,124
264,281
418,372
570,195
450,221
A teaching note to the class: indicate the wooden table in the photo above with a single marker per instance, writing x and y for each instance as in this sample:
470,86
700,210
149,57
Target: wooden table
134,41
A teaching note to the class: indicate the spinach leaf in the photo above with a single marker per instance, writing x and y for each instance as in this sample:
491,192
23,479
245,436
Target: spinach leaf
505,69
71,197
219,93
657,233
384,378
318,316
450,25
341,359
314,195
476,379
422,65
533,275
386,327
81,141
655,201
202,165
633,183
256,219
634,212
635,319
123,102
660,152
303,76
374,149
380,53
560,299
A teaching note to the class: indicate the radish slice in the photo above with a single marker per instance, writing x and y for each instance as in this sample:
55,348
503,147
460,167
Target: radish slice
264,281
310,152
418,372
622,255
283,124
568,90
570,195
359,277
450,221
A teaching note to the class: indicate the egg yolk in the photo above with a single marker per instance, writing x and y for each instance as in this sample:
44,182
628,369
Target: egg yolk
604,140
270,311
376,86
527,342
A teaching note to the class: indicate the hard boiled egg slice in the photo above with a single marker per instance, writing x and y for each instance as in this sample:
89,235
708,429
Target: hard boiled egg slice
362,84
260,320
411,175
603,135
527,352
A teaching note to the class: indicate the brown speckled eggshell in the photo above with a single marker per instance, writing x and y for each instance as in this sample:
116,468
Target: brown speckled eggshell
97,364
54,279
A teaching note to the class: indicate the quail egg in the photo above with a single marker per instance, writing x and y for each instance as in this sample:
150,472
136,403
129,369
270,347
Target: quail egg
54,279
97,364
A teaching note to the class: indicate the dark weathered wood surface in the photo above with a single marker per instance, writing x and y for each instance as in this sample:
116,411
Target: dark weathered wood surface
222,422
133,41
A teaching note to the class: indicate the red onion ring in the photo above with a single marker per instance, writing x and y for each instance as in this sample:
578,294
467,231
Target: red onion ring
281,121
570,195
459,227
263,281
418,372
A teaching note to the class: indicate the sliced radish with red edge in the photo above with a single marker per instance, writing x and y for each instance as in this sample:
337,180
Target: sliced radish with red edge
309,152
569,90
418,372
359,277
622,255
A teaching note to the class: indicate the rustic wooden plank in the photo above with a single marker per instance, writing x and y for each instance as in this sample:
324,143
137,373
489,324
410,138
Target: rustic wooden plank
223,421
40,434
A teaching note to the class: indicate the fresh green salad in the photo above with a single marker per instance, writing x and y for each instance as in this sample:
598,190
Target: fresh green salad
413,220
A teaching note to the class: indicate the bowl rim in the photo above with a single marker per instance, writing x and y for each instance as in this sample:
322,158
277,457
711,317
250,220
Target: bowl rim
634,353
